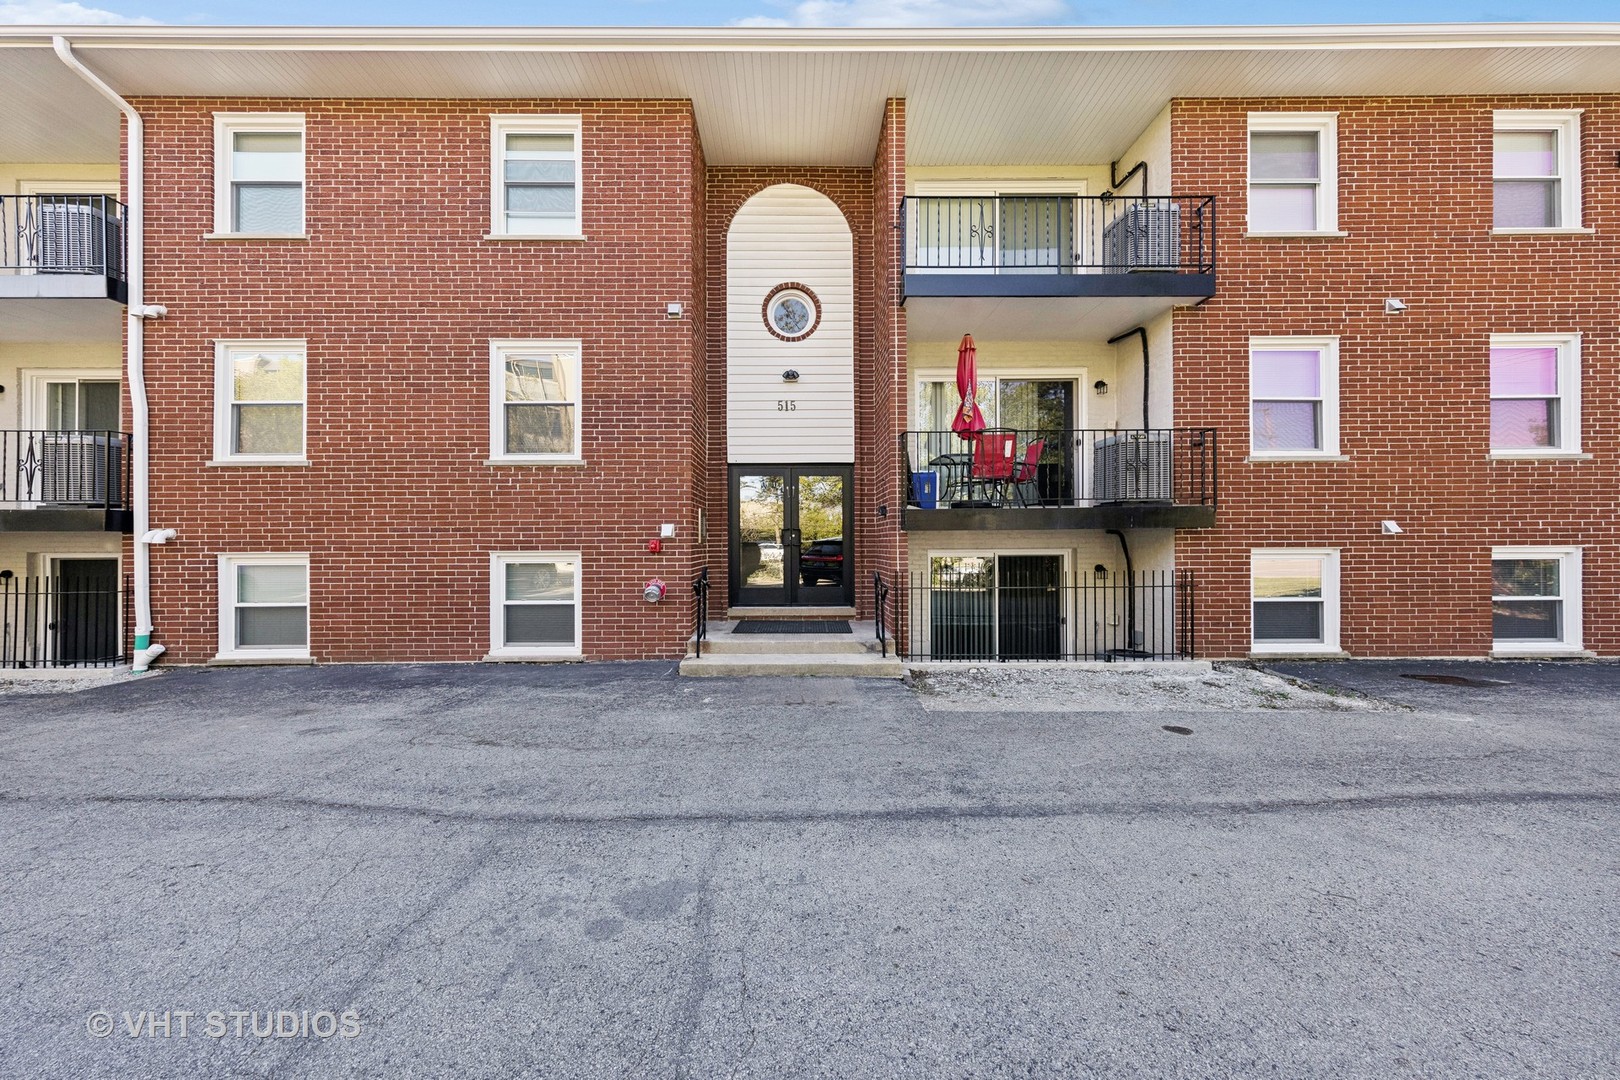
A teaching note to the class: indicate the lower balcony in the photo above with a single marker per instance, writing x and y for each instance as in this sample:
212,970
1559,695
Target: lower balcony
65,621
65,481
1154,478
62,272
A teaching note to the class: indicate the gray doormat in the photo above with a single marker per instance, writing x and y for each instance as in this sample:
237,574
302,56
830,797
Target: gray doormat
792,626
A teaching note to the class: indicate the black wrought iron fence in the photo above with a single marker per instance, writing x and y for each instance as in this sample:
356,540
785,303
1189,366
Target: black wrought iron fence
990,616
1005,467
62,234
60,622
65,468
1059,234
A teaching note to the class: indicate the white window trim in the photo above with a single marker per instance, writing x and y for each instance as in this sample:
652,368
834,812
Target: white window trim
497,402
1569,578
1567,124
498,562
228,124
1569,394
1326,127
224,392
500,126
227,607
1329,645
1328,348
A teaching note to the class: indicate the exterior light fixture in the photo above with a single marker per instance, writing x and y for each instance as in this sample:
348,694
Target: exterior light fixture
790,375
1100,386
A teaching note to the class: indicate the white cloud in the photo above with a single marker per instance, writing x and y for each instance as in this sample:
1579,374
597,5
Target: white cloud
61,13
874,13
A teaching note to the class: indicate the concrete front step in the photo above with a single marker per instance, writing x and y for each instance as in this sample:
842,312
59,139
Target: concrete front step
838,665
722,641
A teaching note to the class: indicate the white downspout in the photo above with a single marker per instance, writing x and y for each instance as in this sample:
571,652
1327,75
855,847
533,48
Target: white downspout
135,264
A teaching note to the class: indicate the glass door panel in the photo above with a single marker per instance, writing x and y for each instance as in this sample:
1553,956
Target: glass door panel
790,536
759,554
824,571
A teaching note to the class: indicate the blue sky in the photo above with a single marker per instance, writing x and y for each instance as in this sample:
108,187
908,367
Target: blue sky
799,12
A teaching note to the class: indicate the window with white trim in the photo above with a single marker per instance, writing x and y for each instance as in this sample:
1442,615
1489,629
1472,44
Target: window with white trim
1535,394
259,393
535,175
263,606
259,174
1293,173
1293,397
1295,600
1536,169
534,401
1535,599
534,605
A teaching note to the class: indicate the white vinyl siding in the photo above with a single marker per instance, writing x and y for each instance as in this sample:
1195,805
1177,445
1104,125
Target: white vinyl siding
786,234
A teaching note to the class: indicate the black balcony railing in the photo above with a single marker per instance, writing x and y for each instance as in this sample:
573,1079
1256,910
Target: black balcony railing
987,612
62,234
53,622
1009,469
1059,234
65,469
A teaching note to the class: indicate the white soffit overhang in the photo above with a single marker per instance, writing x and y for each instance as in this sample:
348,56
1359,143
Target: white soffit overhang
1038,96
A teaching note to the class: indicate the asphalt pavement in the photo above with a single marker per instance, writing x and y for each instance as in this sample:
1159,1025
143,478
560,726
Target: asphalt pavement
609,871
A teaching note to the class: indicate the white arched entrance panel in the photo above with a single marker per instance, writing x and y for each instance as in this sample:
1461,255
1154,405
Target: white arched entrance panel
789,247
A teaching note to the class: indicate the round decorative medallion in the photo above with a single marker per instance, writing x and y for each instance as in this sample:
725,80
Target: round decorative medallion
791,311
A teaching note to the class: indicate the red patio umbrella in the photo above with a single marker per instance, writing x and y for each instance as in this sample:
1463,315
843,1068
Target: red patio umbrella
969,420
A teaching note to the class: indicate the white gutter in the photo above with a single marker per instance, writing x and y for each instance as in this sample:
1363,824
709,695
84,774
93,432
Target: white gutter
135,266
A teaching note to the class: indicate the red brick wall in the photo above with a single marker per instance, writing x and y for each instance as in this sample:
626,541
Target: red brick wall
851,189
398,295
1415,198
887,410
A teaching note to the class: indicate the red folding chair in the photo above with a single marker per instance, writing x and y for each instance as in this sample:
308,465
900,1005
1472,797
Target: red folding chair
1027,470
993,461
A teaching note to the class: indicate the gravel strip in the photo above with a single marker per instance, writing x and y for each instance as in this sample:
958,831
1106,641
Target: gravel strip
31,683
1229,688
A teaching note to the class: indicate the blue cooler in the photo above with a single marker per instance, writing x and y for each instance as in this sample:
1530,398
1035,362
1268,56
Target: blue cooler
925,489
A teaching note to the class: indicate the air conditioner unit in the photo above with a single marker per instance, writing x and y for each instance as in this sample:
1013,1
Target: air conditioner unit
73,238
1133,466
1145,236
81,468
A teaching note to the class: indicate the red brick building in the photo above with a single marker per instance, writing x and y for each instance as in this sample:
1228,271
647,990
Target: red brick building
454,346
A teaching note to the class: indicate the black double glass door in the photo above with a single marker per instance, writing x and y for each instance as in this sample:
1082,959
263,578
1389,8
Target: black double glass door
791,541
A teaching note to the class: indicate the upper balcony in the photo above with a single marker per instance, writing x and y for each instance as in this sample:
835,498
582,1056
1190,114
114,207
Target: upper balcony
1094,479
61,262
65,481
1094,265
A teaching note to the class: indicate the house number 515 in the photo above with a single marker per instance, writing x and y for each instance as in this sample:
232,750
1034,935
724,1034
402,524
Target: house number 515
786,405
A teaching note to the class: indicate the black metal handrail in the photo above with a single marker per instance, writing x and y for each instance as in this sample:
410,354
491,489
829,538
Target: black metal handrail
49,622
1087,467
65,468
700,631
880,607
988,614
62,234
1059,234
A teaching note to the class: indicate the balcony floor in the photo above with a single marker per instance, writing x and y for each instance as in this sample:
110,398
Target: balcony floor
1034,318
57,320
1036,518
